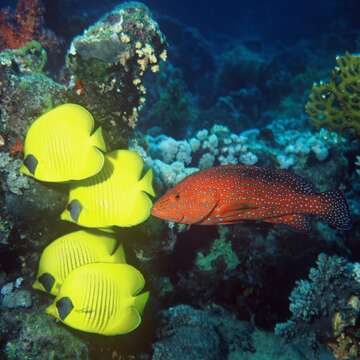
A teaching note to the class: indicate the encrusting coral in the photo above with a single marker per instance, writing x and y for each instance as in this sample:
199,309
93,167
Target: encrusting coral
108,62
336,104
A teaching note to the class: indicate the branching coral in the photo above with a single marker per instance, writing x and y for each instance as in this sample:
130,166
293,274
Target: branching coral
23,26
326,307
336,104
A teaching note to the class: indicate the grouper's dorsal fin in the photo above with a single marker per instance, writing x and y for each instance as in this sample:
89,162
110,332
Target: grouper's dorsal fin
278,177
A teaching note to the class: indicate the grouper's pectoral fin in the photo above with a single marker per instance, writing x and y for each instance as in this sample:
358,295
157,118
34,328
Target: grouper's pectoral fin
236,211
299,222
205,210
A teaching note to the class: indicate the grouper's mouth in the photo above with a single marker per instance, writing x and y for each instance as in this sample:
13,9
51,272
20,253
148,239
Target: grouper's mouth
164,216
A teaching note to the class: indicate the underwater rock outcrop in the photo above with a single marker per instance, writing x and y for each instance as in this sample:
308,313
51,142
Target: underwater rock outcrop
184,328
108,63
25,93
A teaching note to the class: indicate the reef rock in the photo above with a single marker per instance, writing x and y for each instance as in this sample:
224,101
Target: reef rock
108,63
34,335
214,333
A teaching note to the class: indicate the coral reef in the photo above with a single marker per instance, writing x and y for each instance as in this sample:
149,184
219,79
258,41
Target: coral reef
357,163
23,82
176,342
170,101
279,144
326,307
334,104
221,248
33,336
217,100
23,26
184,40
213,333
240,68
110,60
14,182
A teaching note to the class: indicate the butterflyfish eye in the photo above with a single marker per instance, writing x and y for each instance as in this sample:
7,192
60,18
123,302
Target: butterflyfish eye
47,281
64,307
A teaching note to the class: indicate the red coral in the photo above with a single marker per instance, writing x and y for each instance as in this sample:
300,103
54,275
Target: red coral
23,26
17,147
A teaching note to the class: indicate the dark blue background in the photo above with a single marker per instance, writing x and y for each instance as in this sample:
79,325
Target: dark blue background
277,19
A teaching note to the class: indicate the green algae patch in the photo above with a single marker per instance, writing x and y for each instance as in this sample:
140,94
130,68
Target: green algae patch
221,249
30,58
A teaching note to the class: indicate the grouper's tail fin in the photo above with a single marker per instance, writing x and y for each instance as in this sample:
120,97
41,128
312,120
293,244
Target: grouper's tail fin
335,210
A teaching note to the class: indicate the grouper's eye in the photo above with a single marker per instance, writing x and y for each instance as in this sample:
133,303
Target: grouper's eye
177,196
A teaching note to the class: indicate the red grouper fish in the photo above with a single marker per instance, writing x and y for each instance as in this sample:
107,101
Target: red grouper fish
230,193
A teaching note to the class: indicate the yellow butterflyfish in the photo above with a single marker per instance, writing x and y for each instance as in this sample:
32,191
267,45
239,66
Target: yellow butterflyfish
60,145
101,298
117,196
73,250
